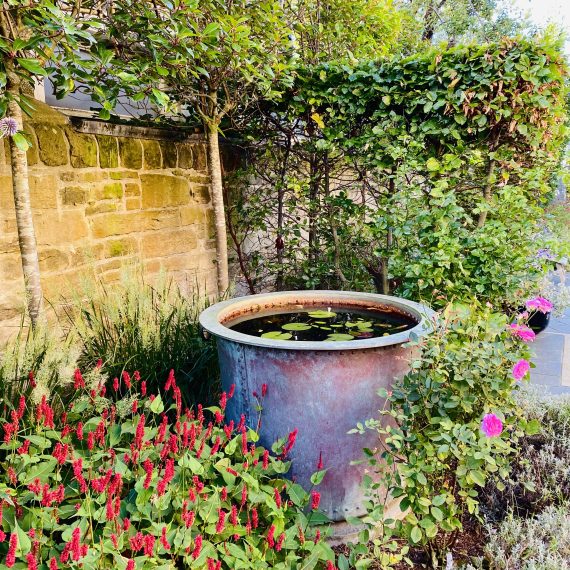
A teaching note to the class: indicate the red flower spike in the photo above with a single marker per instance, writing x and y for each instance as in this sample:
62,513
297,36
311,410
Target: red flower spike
231,391
316,499
149,541
116,384
11,556
131,564
197,547
53,564
143,387
32,562
330,565
271,536
24,448
164,540
126,379
234,516
243,494
78,381
170,382
277,497
254,517
220,525
263,390
265,464
292,437
280,542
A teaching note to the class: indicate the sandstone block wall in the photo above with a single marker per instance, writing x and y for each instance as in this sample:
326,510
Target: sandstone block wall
103,201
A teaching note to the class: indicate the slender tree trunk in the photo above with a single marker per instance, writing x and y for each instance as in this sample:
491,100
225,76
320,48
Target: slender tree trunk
215,171
487,192
280,216
24,220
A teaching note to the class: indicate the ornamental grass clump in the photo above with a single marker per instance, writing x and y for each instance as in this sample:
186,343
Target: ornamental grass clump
131,484
452,426
147,327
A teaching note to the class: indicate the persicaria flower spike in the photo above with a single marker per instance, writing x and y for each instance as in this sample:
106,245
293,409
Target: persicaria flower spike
521,369
315,501
491,425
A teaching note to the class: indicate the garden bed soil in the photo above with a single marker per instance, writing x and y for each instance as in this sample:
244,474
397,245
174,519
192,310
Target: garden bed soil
469,545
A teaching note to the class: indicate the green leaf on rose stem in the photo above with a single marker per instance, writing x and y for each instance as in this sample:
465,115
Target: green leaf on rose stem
477,477
416,534
532,427
157,405
318,476
21,142
296,327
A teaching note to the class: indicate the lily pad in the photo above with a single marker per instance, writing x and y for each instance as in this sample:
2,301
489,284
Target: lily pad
296,327
322,314
339,337
277,335
364,324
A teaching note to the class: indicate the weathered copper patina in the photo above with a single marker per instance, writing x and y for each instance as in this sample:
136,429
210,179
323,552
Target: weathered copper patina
322,389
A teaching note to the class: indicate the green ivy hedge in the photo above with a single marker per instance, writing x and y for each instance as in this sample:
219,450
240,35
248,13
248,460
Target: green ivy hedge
457,148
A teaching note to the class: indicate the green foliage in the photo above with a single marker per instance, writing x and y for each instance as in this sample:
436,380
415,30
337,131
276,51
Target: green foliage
36,38
201,59
150,328
37,362
538,543
334,30
128,486
430,170
436,457
540,470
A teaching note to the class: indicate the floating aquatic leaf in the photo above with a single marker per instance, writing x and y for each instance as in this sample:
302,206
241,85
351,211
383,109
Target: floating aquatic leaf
277,335
296,327
364,324
322,314
340,337
349,325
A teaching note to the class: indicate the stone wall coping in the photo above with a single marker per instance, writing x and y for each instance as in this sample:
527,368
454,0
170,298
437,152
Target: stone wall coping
100,127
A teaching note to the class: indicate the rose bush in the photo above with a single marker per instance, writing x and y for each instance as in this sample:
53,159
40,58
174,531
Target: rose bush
142,483
453,425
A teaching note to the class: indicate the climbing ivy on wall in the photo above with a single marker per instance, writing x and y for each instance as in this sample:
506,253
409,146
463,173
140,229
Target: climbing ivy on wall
430,171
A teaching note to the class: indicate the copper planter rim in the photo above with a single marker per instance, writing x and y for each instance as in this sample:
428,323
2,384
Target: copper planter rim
213,319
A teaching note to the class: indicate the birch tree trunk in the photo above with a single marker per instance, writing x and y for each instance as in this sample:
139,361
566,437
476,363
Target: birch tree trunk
24,220
215,171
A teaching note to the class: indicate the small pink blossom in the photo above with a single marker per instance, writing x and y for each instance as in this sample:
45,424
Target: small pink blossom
491,425
523,332
539,304
521,369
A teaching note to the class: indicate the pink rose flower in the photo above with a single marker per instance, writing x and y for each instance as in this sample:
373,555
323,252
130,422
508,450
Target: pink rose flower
539,304
521,369
523,332
491,425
